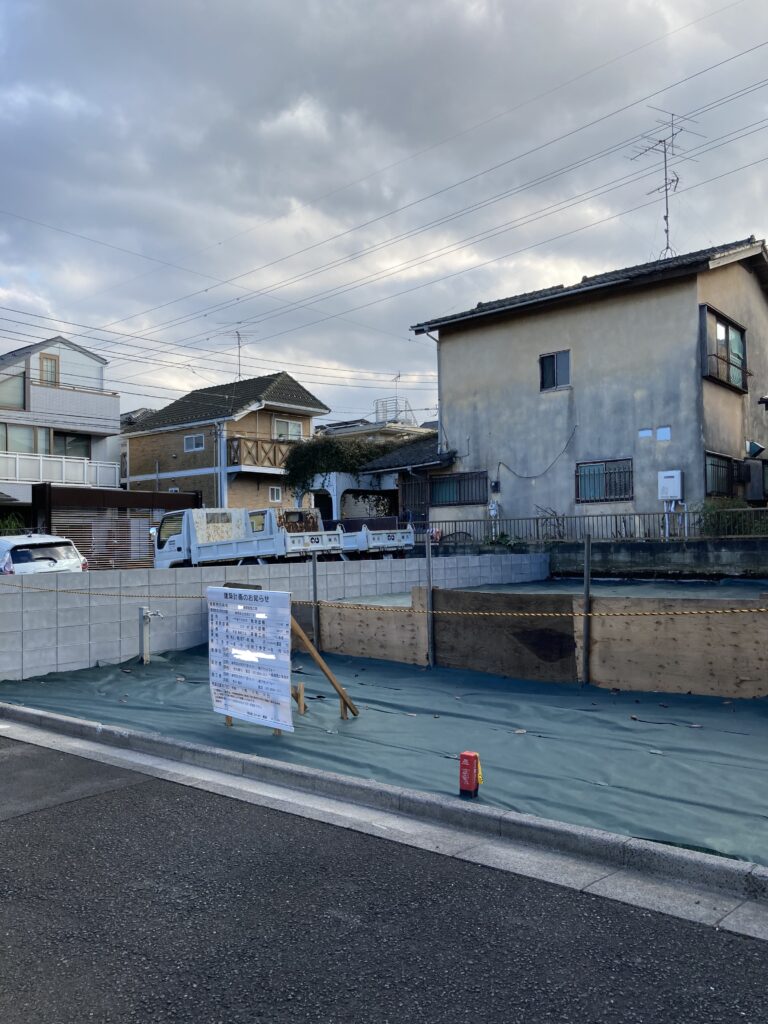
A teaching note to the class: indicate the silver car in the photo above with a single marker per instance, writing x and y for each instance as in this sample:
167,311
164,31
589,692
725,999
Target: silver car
39,552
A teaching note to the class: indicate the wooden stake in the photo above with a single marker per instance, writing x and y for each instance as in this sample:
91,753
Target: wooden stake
312,652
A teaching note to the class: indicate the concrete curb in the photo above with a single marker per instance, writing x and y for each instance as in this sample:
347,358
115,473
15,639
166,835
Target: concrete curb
741,878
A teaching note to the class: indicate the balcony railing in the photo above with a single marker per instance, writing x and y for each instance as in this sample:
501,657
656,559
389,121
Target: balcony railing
246,451
726,371
20,468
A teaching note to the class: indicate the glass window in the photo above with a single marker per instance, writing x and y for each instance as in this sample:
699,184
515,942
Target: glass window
3,438
645,432
288,430
604,481
194,442
12,390
169,527
719,475
258,520
21,439
43,440
555,370
49,370
73,446
727,353
459,489
275,494
62,552
664,433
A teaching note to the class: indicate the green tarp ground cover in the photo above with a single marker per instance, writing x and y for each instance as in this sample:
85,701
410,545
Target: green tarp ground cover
681,769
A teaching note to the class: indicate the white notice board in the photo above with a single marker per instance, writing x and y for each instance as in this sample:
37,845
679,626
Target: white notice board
249,644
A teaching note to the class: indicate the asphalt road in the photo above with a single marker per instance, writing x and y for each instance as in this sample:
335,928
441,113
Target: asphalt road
124,898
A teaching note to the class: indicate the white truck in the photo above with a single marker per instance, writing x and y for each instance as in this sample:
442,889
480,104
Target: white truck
209,536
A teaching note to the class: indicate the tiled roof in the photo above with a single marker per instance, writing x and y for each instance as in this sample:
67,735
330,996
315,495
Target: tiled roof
674,266
226,400
414,454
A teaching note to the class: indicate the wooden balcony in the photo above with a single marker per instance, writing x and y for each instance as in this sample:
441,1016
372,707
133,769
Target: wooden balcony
260,454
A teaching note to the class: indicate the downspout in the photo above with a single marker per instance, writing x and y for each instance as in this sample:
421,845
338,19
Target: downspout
221,468
439,402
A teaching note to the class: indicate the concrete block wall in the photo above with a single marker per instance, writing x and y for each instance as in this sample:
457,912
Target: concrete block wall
55,623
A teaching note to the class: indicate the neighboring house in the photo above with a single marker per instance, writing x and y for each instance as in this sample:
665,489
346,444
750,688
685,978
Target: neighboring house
350,496
575,398
58,424
229,442
409,469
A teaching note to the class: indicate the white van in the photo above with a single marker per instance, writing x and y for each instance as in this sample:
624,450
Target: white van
39,552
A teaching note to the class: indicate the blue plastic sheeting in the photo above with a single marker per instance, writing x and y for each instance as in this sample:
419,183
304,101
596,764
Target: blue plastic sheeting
682,769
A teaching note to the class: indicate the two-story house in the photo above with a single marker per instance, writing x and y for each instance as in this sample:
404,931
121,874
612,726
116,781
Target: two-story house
58,423
229,442
575,398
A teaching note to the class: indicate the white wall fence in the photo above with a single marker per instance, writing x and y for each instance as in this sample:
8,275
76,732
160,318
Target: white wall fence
63,622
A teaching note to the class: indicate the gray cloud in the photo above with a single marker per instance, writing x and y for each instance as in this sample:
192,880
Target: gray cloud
226,138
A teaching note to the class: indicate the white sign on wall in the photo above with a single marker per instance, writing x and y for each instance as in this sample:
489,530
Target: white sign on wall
249,645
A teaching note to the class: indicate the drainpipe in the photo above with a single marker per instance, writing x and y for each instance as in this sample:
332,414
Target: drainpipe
221,464
439,403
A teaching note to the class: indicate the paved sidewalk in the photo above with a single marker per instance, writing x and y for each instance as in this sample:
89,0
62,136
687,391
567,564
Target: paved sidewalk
126,898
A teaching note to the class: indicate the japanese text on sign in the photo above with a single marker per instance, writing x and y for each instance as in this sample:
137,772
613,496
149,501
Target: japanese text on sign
249,644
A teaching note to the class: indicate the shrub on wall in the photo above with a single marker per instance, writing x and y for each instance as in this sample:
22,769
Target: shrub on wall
323,455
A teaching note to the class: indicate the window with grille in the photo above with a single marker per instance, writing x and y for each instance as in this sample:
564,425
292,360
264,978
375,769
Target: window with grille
726,359
719,476
604,481
49,370
459,489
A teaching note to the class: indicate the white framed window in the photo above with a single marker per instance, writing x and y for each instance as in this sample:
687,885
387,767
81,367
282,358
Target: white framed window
173,490
275,494
287,430
555,370
194,442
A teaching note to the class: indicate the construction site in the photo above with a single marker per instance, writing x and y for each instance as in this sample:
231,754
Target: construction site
631,706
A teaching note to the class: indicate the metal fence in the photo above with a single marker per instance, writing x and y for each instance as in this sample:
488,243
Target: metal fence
660,526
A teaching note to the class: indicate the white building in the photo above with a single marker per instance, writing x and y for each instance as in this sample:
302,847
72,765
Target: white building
58,424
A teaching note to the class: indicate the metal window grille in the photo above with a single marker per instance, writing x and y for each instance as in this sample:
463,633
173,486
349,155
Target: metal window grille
719,476
459,489
604,481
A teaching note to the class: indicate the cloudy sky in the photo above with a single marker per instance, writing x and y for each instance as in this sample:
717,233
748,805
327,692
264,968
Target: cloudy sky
321,174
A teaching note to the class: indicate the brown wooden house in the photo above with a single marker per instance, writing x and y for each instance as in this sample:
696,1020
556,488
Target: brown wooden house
229,442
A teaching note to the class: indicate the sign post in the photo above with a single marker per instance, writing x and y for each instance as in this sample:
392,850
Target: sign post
250,655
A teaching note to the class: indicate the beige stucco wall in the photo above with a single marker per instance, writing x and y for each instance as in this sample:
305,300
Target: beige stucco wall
729,417
634,364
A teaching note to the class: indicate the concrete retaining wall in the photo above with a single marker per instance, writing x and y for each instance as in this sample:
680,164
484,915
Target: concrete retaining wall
733,556
51,623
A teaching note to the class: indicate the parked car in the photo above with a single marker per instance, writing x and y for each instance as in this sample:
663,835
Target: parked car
39,552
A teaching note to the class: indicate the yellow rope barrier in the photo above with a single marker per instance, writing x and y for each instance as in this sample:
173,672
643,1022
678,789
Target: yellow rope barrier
408,610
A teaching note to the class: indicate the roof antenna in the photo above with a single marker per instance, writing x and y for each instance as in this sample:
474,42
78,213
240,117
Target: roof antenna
665,145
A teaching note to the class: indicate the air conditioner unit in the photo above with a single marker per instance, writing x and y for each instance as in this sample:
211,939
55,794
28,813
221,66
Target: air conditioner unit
671,485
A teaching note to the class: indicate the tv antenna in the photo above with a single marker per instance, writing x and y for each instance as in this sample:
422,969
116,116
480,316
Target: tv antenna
665,143
240,335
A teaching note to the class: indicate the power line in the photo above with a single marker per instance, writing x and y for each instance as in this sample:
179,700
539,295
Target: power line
535,149
450,138
384,299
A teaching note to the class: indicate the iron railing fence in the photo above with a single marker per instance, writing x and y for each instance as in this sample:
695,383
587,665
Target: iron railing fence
660,526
